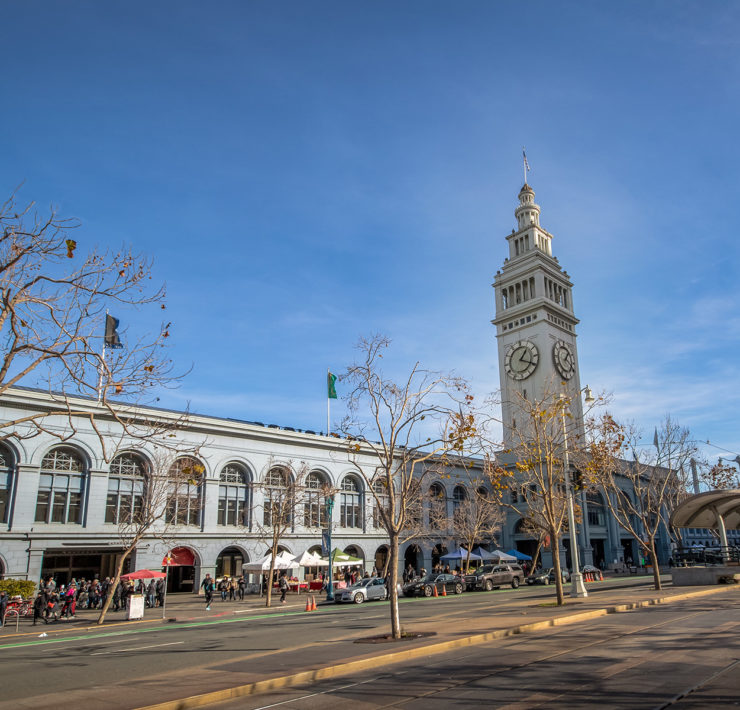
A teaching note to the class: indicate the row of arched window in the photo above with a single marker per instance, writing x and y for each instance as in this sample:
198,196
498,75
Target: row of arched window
63,479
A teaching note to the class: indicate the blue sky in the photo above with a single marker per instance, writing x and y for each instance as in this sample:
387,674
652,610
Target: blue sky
305,173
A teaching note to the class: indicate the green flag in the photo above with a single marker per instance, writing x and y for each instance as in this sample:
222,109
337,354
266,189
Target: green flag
332,390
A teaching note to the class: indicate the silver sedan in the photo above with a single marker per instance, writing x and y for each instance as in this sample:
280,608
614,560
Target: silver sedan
368,588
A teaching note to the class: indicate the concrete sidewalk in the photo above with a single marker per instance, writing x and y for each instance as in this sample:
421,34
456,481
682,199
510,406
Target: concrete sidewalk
190,607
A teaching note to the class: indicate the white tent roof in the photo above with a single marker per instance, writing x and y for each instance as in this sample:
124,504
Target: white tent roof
312,559
284,560
495,555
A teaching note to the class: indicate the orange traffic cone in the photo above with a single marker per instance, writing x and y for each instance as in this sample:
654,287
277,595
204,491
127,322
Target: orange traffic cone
313,603
434,593
601,576
308,604
444,590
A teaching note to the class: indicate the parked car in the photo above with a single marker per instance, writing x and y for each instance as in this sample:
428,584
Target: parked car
547,576
368,588
490,577
425,586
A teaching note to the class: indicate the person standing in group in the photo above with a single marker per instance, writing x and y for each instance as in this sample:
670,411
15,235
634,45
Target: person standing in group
283,584
207,586
242,588
232,589
39,607
160,592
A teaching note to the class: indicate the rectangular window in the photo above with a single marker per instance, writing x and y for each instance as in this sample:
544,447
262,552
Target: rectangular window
74,511
111,508
221,511
42,507
59,507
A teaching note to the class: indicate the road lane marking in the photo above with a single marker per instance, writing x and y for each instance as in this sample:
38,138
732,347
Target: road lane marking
137,648
313,695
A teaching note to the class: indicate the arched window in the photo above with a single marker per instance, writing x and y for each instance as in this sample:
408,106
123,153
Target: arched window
125,489
381,501
350,503
278,507
233,495
6,483
314,508
61,487
437,506
595,504
186,498
459,495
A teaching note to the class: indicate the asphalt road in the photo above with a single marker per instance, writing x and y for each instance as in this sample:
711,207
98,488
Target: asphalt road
187,658
684,655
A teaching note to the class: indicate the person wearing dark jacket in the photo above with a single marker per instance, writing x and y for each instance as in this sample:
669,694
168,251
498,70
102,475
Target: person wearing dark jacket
39,607
207,585
3,606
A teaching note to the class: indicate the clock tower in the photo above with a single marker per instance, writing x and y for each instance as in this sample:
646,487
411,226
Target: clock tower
535,322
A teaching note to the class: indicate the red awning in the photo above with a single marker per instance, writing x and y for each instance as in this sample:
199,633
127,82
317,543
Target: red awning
143,574
179,557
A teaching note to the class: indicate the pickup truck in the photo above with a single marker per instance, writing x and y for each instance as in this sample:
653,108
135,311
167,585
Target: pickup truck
490,577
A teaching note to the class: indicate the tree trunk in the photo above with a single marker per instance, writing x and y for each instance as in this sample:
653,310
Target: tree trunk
393,587
271,574
116,581
536,554
654,561
554,544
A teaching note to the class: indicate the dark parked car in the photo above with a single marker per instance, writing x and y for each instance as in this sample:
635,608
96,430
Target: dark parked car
368,588
490,577
547,576
425,586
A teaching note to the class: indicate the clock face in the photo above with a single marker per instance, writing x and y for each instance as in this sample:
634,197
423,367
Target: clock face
565,361
521,360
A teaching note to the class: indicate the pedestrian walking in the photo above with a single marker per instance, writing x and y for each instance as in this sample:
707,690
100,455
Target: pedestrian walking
207,586
283,584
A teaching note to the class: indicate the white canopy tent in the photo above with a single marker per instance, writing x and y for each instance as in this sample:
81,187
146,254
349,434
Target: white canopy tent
312,559
495,555
284,560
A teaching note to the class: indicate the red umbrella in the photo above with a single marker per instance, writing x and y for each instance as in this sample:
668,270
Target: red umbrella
143,574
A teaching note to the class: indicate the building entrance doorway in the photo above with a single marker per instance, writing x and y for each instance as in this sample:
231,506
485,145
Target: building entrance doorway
229,562
65,565
181,575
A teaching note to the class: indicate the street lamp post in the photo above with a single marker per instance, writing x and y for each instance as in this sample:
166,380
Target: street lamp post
329,500
577,587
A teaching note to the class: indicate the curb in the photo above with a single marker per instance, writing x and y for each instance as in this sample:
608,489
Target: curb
195,701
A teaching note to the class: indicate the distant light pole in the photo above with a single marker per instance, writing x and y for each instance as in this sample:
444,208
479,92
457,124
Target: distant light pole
329,501
577,587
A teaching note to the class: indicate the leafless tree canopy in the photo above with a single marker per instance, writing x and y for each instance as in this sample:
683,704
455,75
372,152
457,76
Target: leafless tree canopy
157,496
643,483
52,322
402,427
529,478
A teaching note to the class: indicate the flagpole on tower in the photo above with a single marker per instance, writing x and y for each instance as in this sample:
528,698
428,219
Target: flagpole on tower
526,164
101,366
328,400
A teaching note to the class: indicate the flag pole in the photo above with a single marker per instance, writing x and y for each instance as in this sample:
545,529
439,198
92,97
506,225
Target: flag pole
328,401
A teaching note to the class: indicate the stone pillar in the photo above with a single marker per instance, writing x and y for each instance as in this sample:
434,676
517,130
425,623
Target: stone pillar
97,494
26,490
209,517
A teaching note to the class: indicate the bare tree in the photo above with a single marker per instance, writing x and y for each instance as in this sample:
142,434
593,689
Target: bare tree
401,428
283,491
165,494
54,321
529,477
476,515
642,492
535,527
